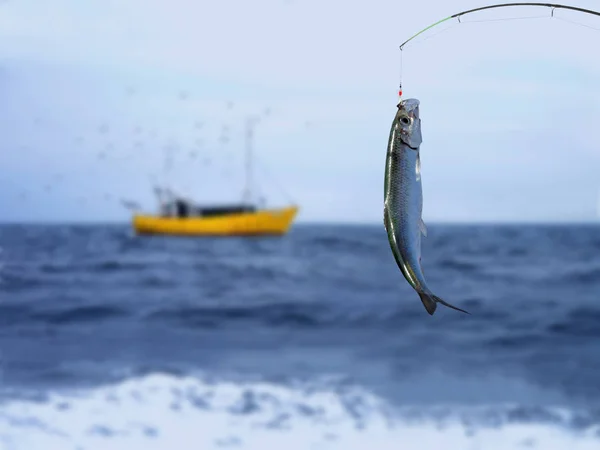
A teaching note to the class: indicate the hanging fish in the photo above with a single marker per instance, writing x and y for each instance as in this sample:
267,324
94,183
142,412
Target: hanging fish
403,200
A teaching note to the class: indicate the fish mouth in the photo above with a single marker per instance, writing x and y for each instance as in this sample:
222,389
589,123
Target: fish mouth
410,106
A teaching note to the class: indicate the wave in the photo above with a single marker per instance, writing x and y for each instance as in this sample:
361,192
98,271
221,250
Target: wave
102,266
91,313
16,314
580,322
289,314
161,411
583,274
292,315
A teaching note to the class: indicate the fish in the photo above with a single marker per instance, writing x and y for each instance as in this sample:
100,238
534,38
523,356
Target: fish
403,200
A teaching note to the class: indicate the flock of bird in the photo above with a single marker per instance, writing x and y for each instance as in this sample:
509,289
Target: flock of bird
110,145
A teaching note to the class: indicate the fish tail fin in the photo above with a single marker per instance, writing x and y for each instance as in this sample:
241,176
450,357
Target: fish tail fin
428,302
448,305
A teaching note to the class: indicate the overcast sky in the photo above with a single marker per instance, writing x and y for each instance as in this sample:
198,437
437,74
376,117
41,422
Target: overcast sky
93,94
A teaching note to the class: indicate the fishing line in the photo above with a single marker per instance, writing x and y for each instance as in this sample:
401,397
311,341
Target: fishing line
425,38
418,41
503,19
577,23
400,80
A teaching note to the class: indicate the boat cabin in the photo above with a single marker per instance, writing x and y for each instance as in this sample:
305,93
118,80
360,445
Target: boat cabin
183,208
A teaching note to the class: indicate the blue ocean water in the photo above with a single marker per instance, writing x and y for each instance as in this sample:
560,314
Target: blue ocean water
312,340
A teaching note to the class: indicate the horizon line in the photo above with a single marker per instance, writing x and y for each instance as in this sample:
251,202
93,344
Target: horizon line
74,222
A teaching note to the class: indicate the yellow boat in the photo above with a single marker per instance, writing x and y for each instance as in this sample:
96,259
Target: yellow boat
182,217
260,222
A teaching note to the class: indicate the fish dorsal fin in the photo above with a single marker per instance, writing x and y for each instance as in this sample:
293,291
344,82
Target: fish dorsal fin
423,227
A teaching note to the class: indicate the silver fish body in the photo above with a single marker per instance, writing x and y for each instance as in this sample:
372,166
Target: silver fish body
403,200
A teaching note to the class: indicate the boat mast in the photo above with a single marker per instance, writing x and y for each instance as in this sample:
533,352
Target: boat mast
166,167
247,195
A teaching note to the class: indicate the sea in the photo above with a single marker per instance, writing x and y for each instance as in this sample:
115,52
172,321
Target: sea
313,340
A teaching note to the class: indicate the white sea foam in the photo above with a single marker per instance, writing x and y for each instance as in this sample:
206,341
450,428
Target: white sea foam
168,412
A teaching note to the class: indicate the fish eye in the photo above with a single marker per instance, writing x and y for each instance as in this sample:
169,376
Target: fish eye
405,120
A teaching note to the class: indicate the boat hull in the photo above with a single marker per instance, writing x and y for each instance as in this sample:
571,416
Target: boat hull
260,222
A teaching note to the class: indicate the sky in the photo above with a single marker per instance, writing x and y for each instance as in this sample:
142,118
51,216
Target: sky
95,95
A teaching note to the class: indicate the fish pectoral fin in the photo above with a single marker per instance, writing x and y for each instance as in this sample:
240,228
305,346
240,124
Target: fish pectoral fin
423,227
